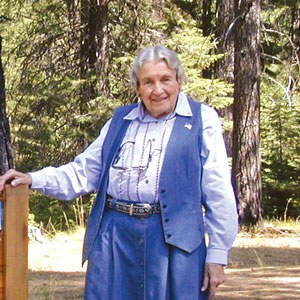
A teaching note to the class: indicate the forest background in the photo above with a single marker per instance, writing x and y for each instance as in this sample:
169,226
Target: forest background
66,62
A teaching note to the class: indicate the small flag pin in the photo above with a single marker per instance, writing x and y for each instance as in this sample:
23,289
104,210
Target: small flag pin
188,126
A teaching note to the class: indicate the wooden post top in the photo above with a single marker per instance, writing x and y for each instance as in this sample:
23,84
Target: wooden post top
15,242
8,189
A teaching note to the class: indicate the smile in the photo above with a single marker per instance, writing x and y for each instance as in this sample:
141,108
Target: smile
159,99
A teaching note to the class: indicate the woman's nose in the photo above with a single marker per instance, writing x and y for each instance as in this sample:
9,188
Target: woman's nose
158,89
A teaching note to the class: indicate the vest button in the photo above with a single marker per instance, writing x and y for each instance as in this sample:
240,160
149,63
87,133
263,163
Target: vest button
165,206
162,191
169,235
167,220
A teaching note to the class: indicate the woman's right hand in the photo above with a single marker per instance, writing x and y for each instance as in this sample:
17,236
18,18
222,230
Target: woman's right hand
15,178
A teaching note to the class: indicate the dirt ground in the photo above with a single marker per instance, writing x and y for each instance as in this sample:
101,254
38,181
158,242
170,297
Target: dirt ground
262,266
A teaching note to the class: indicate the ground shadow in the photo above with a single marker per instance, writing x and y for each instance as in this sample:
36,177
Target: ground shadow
254,273
262,273
264,256
44,285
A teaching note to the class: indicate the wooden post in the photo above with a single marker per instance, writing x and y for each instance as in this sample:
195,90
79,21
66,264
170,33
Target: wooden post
14,243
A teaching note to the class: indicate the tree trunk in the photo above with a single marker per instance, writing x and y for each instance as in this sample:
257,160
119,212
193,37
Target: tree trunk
207,17
93,60
296,43
94,47
246,120
93,63
225,36
207,29
224,67
6,151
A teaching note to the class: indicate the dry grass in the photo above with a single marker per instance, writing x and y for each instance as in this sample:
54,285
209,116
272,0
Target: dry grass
60,254
55,268
264,264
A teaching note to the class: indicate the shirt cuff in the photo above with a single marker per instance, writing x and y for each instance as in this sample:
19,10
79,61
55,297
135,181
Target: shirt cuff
217,256
37,181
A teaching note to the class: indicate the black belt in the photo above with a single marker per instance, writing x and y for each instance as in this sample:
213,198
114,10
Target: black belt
137,209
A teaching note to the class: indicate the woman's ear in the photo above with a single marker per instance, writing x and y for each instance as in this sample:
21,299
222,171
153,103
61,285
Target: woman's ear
138,93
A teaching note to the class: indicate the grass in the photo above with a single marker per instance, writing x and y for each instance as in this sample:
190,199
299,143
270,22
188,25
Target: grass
274,227
265,253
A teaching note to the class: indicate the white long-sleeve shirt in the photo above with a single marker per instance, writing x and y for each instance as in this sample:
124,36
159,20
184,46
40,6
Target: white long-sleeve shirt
134,175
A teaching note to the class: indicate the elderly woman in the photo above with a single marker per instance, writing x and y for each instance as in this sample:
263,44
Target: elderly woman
155,166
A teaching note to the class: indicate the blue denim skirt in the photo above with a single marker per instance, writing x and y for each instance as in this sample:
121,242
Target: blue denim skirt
131,261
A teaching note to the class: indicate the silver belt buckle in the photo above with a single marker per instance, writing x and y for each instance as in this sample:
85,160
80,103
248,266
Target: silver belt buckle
146,209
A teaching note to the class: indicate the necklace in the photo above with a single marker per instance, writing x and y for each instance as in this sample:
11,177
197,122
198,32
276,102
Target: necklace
139,160
160,142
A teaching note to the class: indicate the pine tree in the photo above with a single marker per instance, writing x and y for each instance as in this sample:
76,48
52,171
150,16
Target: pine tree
6,153
246,164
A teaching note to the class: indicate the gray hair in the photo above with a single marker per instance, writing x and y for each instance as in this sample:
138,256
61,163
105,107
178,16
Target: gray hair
156,53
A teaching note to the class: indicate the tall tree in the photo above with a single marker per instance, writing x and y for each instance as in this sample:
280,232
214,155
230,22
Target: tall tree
224,66
93,44
224,35
280,109
93,55
246,118
207,17
296,40
6,153
207,28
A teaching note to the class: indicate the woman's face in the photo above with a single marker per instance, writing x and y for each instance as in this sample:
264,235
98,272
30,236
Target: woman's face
158,88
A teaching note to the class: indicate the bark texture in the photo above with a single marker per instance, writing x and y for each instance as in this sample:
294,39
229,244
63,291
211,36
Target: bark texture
246,132
6,151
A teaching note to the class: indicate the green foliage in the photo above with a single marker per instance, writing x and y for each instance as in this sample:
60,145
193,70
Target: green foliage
56,215
280,152
280,111
195,53
56,112
51,121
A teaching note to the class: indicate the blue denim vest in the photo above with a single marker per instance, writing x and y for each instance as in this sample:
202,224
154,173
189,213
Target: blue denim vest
179,185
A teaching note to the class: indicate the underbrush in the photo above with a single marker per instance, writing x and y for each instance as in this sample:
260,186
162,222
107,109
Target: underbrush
274,227
266,227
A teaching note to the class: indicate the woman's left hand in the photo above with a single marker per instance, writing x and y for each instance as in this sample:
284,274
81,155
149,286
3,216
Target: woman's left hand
213,276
